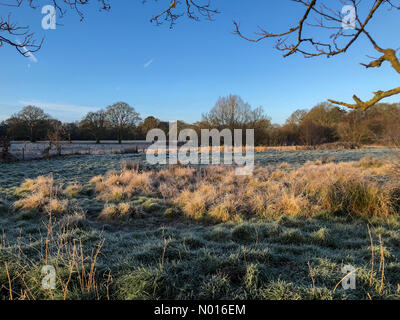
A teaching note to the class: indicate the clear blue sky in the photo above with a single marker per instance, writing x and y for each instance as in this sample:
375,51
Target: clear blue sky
180,73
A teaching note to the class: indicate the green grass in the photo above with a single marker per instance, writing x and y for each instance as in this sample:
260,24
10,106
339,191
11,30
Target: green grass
157,257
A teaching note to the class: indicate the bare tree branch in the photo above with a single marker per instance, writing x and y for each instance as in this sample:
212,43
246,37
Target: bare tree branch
339,42
193,9
10,30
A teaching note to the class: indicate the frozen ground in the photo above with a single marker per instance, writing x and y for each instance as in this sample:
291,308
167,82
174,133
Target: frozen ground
159,257
29,151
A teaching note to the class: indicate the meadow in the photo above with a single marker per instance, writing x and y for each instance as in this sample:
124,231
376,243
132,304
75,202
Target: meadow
116,229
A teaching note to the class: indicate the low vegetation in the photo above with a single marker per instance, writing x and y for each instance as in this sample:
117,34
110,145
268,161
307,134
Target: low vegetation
130,232
325,125
366,188
45,196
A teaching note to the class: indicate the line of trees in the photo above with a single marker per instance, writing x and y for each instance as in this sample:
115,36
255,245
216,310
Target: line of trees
327,123
324,123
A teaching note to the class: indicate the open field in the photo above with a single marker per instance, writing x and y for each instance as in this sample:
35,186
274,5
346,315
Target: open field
181,233
21,150
29,151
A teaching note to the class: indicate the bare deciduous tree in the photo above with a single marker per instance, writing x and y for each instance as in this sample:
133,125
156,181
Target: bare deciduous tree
193,9
148,124
95,123
55,136
30,118
232,112
297,117
229,112
353,130
121,116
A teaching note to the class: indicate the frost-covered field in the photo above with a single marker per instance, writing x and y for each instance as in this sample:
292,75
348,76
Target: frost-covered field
160,255
29,151
84,167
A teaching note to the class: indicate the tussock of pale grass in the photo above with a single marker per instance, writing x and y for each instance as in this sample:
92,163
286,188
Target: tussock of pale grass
121,211
44,195
342,188
43,185
31,202
96,179
119,186
127,184
197,203
284,165
290,204
216,193
73,190
57,206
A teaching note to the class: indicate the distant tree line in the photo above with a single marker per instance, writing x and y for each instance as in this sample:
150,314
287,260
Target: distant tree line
324,123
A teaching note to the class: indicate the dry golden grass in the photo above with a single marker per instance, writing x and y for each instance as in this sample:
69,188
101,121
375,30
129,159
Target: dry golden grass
124,185
75,266
31,202
44,195
121,211
73,190
369,187
96,179
57,206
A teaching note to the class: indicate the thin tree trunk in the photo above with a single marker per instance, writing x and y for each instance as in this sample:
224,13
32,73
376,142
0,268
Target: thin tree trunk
31,135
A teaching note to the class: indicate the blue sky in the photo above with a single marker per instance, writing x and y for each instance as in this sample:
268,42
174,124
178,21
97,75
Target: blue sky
180,73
